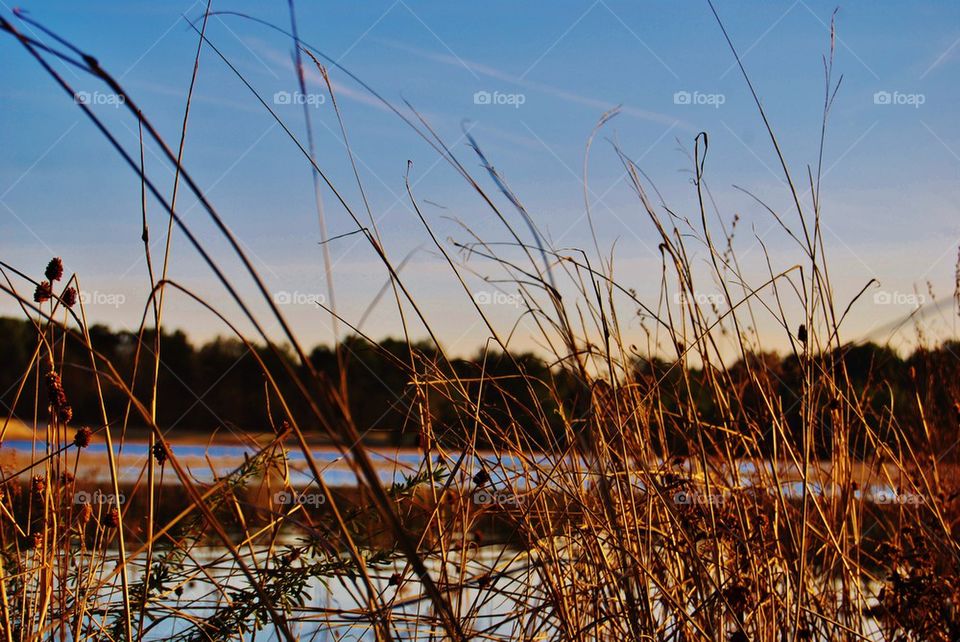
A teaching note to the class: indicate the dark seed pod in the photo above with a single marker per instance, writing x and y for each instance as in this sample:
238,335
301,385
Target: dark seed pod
159,453
69,297
802,333
55,391
481,478
54,271
43,292
36,540
82,438
38,485
58,398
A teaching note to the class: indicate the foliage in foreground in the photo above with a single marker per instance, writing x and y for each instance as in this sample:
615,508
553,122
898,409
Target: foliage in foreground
646,513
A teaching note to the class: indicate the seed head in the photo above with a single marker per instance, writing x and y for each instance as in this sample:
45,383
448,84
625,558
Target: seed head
36,540
38,485
802,333
113,518
69,297
43,292
58,398
159,453
55,389
82,438
54,271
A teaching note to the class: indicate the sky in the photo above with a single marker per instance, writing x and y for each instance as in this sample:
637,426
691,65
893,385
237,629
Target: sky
529,81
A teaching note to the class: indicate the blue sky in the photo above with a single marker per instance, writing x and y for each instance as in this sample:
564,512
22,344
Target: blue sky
890,190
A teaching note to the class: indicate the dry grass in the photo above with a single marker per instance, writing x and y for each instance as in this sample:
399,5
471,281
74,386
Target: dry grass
614,531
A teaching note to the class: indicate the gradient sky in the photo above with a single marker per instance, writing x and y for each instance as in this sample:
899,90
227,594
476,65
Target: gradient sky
890,192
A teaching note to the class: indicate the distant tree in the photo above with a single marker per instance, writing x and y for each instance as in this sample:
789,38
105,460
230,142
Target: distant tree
395,391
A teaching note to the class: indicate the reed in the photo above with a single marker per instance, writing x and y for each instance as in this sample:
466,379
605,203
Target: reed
627,492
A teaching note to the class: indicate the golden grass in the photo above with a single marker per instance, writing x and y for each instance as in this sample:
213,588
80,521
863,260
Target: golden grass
614,531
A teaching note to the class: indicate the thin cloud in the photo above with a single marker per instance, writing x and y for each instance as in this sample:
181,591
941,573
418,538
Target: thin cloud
362,96
492,72
949,54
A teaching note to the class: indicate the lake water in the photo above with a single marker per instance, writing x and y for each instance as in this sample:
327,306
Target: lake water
510,606
331,609
495,591
207,462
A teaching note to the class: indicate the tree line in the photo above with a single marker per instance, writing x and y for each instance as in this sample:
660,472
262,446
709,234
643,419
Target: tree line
402,394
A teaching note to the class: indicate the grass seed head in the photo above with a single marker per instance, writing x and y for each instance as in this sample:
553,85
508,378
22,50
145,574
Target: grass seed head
58,398
43,292
82,438
36,540
54,271
159,453
69,297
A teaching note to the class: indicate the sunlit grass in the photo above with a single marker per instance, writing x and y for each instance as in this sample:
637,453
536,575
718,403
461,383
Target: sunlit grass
626,493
